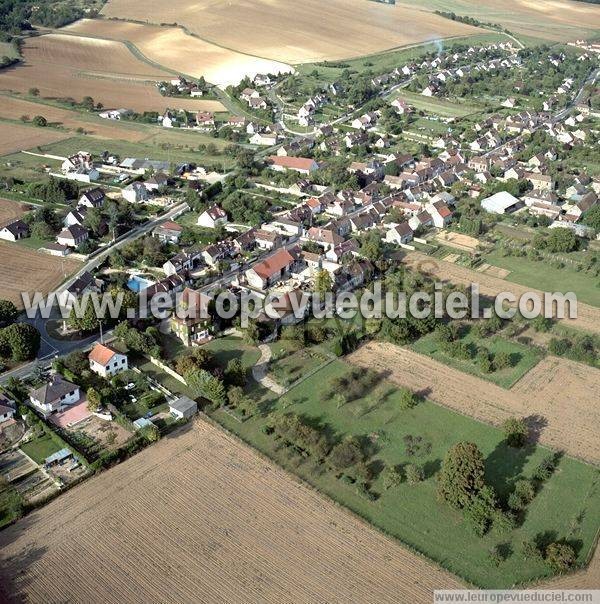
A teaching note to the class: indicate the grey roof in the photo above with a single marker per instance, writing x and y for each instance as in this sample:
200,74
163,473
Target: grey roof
183,404
53,390
16,227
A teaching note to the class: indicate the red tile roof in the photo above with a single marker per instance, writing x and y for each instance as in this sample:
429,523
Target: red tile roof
296,163
101,354
274,264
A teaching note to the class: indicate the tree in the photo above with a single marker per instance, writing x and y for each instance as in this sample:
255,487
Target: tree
206,385
40,121
407,398
88,103
414,474
592,218
42,230
462,474
93,399
21,340
235,373
8,312
346,454
560,557
516,431
502,360
34,91
93,220
86,322
323,281
150,433
392,477
480,510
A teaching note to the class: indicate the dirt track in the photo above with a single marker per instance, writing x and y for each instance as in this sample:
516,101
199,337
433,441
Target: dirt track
588,317
201,517
560,397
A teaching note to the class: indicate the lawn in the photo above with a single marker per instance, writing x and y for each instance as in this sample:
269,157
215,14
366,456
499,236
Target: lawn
438,106
287,367
231,347
522,357
542,276
567,505
40,448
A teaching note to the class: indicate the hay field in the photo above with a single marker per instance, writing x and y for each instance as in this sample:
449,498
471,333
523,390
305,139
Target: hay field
201,516
558,396
14,137
559,20
13,108
176,50
296,32
62,66
26,270
588,317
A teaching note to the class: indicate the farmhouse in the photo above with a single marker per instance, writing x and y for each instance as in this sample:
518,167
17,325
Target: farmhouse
183,408
212,217
15,230
501,203
106,361
54,395
302,165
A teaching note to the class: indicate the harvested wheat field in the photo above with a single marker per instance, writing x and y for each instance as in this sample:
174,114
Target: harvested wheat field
25,270
588,317
558,396
14,137
231,526
10,210
14,108
458,240
560,20
296,32
176,50
72,66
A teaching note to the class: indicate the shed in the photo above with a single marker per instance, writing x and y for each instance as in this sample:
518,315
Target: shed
183,408
58,457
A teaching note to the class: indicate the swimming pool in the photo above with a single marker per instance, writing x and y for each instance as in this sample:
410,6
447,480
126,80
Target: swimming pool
137,283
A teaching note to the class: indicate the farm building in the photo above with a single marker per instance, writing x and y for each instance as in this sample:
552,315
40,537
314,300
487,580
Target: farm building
501,203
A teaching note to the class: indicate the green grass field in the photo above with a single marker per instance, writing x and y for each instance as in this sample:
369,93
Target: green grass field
567,506
231,347
438,106
522,357
40,448
542,276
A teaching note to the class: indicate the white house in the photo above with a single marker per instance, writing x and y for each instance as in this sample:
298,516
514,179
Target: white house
73,236
106,362
54,395
92,198
7,408
212,217
15,230
401,234
136,192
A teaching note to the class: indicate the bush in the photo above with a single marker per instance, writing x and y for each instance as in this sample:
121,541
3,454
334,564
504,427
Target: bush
560,557
414,474
391,476
531,551
502,360
522,495
407,399
545,469
559,346
480,510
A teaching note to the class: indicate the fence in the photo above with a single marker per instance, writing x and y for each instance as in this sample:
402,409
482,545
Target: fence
168,370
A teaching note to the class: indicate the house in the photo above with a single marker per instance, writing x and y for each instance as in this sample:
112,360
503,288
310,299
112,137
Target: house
168,232
106,361
15,230
272,269
8,408
76,216
543,182
54,395
183,408
205,119
501,203
345,249
261,79
84,283
267,139
401,234
73,236
257,103
302,165
157,182
401,107
421,220
249,93
191,322
510,102
181,262
80,167
440,213
267,240
92,198
236,121
55,249
136,192
212,217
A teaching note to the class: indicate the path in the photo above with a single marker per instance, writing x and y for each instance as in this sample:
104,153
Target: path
260,370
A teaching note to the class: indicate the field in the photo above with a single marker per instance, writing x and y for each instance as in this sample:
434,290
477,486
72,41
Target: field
413,514
231,526
26,270
180,52
558,20
568,419
9,211
588,317
438,106
293,32
62,66
15,137
458,240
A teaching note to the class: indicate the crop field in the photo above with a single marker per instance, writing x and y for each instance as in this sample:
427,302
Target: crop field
14,137
61,65
180,52
14,108
567,419
232,526
27,270
588,317
558,20
296,32
9,211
